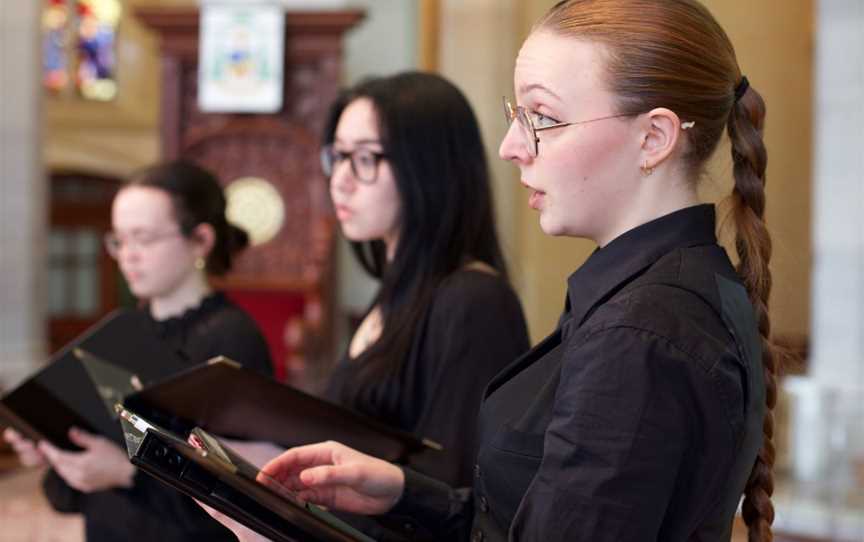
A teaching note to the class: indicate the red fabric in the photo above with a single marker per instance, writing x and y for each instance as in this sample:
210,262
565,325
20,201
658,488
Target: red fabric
272,310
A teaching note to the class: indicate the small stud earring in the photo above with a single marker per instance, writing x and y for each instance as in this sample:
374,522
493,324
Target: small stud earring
200,263
646,171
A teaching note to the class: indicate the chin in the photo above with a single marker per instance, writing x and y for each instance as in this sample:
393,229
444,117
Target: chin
140,292
551,227
356,236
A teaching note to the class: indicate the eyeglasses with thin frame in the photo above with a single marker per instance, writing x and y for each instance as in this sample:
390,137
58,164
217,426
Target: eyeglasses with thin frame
137,241
529,128
364,162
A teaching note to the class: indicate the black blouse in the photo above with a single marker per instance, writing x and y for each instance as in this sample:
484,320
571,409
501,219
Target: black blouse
638,419
151,510
473,328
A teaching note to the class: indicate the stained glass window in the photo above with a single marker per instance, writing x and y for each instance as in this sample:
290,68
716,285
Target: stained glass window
79,38
97,31
55,56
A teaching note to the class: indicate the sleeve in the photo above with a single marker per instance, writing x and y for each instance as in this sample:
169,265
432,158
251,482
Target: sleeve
60,495
611,453
431,507
475,329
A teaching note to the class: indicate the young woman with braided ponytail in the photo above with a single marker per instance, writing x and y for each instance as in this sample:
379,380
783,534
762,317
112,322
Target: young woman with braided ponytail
647,414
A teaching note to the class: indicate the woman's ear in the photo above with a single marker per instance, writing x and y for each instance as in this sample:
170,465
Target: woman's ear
203,237
660,137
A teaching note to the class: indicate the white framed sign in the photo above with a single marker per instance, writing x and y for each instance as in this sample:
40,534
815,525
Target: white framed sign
241,57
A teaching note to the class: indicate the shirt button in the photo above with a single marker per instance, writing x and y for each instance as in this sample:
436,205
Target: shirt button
477,536
484,505
476,471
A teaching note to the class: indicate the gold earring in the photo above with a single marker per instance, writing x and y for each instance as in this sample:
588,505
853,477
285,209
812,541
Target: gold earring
200,263
646,171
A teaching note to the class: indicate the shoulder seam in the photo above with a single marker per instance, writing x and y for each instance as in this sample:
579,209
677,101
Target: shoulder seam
592,332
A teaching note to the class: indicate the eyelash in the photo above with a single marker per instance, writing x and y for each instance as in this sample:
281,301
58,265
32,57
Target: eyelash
539,119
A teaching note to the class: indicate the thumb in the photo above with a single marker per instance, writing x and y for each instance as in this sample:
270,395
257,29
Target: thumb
49,451
82,438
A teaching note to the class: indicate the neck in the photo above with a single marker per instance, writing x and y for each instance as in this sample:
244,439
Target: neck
390,244
188,296
656,199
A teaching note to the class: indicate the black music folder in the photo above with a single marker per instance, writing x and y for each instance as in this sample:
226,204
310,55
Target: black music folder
63,394
220,478
234,402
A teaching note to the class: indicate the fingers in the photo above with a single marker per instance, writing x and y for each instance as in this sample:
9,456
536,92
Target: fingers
343,475
68,465
51,452
25,449
82,438
11,436
243,533
136,383
290,463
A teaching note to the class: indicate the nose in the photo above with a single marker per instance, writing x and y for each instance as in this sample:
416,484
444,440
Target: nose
513,148
342,178
127,252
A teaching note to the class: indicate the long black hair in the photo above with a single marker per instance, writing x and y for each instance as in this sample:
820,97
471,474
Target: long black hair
197,198
433,145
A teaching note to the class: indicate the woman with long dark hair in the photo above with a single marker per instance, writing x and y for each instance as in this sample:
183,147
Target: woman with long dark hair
647,414
411,189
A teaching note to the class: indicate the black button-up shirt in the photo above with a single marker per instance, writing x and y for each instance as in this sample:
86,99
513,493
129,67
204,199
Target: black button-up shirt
638,419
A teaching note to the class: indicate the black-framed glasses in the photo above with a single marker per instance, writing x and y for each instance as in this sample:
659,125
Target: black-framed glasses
529,129
364,162
138,241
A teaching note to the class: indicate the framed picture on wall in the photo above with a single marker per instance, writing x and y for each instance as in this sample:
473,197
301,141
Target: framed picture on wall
240,65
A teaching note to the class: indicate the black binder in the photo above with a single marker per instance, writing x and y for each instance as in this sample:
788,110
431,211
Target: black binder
234,402
62,394
223,480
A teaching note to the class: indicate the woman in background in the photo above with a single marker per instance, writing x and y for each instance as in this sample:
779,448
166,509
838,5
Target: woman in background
411,189
169,232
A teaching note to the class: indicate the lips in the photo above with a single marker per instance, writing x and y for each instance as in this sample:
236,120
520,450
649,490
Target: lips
535,200
343,212
536,197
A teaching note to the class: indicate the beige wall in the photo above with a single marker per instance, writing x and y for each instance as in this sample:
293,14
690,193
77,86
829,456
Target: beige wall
773,40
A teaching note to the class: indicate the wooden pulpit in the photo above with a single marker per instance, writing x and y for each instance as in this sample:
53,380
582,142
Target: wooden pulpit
286,283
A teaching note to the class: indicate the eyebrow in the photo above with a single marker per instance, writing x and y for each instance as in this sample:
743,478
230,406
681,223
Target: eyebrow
360,141
524,89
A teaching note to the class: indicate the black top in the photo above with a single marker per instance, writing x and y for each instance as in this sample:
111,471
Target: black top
151,510
638,419
473,329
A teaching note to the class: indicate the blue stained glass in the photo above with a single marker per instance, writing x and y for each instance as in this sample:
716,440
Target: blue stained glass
97,31
55,59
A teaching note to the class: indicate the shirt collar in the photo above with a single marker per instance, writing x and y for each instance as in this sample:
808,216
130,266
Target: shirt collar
611,267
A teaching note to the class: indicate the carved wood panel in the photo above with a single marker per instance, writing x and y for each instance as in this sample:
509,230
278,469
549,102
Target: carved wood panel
281,148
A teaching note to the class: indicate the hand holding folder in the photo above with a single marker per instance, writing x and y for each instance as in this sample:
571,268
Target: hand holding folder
62,395
220,478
